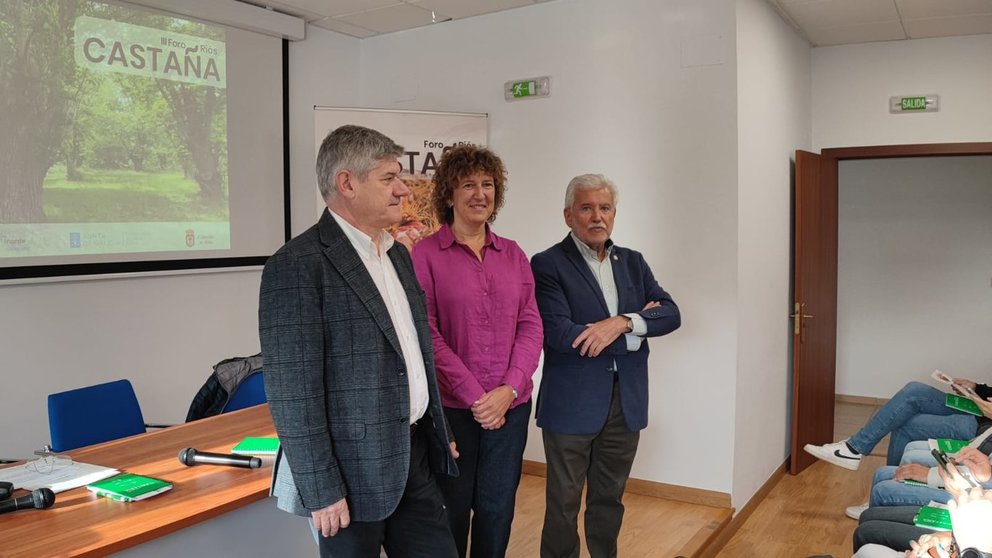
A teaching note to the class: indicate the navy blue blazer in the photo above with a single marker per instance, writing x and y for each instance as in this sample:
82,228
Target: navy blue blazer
576,390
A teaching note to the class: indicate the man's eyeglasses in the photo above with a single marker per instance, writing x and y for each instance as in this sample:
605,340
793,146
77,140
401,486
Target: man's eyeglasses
48,461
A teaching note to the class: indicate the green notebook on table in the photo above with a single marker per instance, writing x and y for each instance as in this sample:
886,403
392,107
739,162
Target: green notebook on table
933,517
962,404
257,446
128,487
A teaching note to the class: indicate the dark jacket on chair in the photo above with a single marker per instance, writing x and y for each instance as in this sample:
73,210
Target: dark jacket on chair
221,385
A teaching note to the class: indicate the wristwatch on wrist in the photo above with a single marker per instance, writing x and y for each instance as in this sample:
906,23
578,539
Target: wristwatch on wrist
630,324
515,394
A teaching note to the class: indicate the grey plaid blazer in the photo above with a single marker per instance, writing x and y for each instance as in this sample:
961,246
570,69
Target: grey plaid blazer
336,380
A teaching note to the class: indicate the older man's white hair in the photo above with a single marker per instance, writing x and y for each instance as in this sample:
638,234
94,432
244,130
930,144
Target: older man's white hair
585,182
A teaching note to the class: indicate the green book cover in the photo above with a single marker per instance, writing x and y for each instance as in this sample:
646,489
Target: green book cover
128,487
950,446
963,404
933,517
257,446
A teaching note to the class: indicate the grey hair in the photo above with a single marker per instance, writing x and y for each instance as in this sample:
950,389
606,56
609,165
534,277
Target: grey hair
351,148
585,182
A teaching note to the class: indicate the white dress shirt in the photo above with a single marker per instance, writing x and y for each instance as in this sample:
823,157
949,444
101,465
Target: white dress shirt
380,267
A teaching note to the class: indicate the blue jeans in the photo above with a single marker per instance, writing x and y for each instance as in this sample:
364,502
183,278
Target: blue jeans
918,452
481,498
888,492
915,412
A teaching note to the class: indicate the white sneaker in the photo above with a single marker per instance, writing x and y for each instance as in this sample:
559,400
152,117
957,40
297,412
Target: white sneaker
837,453
854,512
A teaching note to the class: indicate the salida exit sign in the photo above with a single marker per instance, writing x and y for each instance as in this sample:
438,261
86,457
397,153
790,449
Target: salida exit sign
914,103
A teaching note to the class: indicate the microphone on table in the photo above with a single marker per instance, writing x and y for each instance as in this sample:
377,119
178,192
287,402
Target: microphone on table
38,499
190,457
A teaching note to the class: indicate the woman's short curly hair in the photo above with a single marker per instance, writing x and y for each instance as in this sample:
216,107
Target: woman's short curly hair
458,163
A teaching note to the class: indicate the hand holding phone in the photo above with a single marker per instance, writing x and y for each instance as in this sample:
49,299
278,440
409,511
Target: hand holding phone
965,390
951,471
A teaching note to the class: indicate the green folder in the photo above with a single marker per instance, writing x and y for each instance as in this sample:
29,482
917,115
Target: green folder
933,517
950,446
962,404
128,487
257,446
912,482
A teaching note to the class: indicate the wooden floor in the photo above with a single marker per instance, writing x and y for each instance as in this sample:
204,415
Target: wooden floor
651,526
804,514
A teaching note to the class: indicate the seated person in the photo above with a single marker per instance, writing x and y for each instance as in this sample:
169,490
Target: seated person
893,527
971,514
918,452
915,412
888,486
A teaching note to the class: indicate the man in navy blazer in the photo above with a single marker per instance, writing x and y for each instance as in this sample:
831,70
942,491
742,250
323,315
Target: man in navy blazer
349,366
598,302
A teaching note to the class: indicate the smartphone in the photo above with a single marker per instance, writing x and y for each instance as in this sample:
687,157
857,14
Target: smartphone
944,463
942,459
967,391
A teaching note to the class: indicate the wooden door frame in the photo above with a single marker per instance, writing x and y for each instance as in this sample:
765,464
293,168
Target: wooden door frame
829,180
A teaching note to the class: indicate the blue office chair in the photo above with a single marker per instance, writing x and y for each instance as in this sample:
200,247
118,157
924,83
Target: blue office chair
250,392
94,414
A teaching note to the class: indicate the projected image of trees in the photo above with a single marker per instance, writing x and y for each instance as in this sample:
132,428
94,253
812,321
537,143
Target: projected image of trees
110,115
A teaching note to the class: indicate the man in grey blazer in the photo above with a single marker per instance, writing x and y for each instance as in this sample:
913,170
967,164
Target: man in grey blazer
349,368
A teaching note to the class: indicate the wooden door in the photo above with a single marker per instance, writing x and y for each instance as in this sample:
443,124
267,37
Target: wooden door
814,330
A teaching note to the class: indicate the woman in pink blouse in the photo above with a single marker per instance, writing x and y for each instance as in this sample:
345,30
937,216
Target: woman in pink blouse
487,338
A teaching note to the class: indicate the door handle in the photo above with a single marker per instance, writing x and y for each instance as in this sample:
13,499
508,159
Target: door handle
798,317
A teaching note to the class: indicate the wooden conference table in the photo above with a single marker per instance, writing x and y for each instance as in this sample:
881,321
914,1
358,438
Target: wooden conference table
83,524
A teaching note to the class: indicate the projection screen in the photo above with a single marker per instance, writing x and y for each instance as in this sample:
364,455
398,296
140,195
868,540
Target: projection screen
133,140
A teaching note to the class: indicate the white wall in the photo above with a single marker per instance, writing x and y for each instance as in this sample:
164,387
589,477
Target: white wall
852,85
162,332
323,71
915,272
773,108
644,94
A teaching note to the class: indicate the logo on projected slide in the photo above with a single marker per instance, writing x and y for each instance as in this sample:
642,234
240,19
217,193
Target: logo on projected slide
190,237
110,46
75,240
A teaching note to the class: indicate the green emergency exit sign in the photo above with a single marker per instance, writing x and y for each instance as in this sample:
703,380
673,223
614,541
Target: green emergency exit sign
527,88
523,88
914,103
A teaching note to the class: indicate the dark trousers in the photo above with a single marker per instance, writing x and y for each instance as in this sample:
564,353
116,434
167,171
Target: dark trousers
890,526
603,460
482,497
418,528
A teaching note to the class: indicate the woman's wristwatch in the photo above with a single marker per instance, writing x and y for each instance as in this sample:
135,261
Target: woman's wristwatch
513,390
